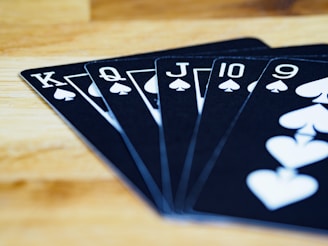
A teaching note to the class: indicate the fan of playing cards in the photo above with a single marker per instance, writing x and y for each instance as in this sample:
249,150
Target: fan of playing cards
227,130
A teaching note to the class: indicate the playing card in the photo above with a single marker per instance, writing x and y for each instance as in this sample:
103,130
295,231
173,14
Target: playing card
116,83
181,84
208,133
273,164
229,85
129,90
73,72
75,99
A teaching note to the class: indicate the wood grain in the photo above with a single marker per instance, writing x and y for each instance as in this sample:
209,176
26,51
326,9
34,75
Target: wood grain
53,189
117,38
43,12
205,9
103,212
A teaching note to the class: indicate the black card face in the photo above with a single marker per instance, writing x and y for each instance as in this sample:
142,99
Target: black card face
231,81
144,77
273,165
139,74
52,78
145,80
75,99
181,84
124,96
204,142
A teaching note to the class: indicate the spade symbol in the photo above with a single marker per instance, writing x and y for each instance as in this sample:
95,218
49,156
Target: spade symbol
296,152
281,188
120,89
179,85
93,90
151,85
317,89
277,86
251,86
61,94
307,120
229,86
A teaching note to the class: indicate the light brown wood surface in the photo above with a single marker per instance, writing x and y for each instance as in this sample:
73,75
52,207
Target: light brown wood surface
44,12
205,9
53,189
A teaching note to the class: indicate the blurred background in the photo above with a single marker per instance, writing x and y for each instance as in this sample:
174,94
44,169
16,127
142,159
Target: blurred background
176,9
53,189
46,11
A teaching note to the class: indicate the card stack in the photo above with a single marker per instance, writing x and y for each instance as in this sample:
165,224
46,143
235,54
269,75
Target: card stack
231,130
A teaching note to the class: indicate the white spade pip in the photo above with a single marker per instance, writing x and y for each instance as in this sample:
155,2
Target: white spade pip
229,86
307,120
279,189
295,152
179,85
251,86
61,94
151,85
120,89
277,87
317,89
93,90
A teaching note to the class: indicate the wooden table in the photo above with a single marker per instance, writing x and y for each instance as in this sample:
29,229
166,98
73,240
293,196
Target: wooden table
53,189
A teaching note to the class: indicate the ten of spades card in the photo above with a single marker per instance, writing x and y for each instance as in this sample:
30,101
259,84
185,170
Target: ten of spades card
230,82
